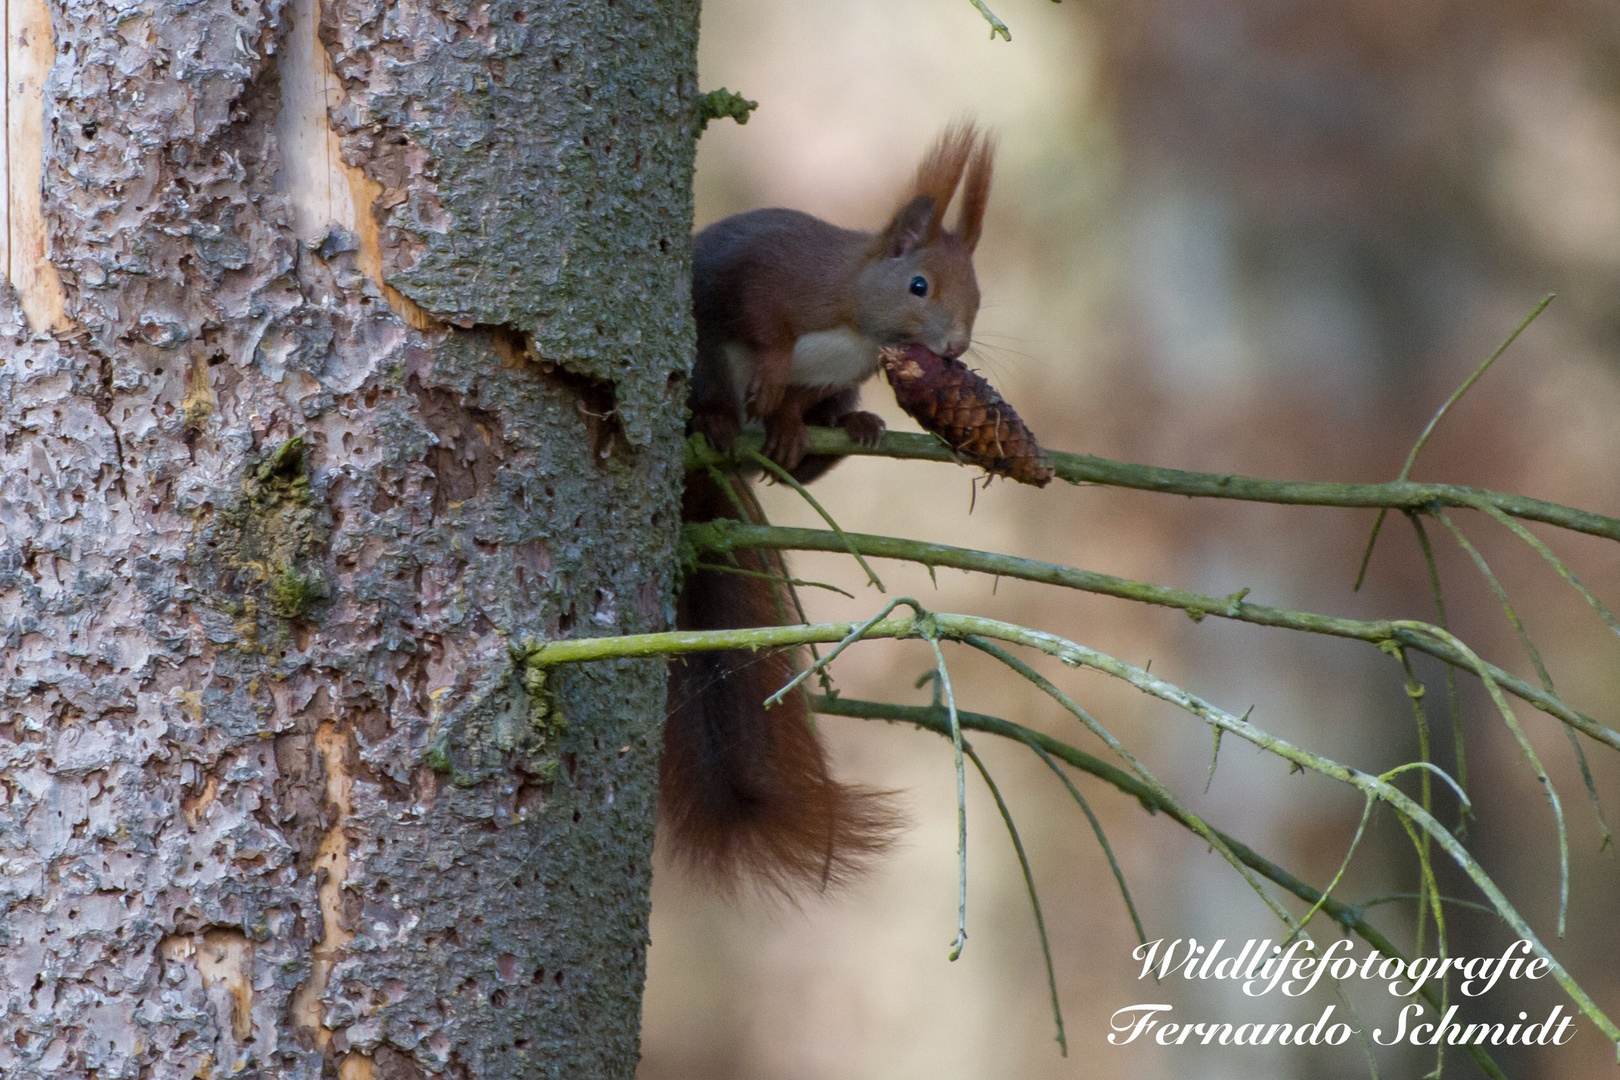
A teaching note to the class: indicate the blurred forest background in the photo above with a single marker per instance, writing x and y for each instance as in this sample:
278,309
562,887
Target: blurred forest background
1257,236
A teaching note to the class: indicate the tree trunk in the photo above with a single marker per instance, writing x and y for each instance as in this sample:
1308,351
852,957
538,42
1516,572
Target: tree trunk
356,360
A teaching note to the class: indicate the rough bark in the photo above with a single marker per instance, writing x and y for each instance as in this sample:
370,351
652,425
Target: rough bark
268,526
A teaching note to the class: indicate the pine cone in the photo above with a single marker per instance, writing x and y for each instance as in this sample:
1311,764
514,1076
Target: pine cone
955,403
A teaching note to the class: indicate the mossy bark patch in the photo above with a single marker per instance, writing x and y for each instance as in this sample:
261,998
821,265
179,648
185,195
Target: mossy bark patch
261,557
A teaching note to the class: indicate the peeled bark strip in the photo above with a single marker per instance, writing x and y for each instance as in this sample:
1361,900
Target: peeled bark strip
269,524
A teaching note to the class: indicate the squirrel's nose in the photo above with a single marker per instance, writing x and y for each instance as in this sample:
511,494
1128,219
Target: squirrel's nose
955,346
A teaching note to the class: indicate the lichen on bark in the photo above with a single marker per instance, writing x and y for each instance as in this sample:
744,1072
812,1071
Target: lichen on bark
567,254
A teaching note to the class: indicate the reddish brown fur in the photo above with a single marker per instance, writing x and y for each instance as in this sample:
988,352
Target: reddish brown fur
976,192
765,278
744,792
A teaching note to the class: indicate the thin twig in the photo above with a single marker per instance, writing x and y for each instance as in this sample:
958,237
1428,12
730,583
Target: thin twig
961,799
1605,838
1415,692
998,29
1347,915
1355,842
1453,699
1452,900
1102,838
856,632
1536,767
1029,886
778,578
1456,396
1091,724
1554,561
788,478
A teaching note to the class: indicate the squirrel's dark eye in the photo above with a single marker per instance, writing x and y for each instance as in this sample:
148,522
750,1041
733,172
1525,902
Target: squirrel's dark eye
919,286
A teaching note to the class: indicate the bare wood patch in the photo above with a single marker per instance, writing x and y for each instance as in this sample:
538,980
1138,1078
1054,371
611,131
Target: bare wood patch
324,189
224,959
357,1066
30,48
193,806
331,871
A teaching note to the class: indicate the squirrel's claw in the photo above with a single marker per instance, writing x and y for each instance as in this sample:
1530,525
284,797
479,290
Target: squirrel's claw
784,439
719,426
863,428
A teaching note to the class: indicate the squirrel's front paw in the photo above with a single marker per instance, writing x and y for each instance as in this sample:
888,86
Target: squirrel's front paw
784,439
863,428
765,394
719,426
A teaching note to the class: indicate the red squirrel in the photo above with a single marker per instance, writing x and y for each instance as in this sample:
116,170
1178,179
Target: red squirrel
791,313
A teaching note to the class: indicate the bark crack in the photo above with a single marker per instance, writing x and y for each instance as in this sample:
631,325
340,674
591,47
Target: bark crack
103,400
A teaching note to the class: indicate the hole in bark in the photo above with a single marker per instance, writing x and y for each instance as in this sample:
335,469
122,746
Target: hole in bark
498,999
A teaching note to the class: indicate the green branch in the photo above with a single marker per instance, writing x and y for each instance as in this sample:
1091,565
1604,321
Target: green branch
724,536
934,626
1086,469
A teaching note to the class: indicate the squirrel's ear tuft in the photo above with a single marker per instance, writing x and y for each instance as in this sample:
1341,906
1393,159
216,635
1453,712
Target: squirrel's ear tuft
976,191
960,147
913,225
941,168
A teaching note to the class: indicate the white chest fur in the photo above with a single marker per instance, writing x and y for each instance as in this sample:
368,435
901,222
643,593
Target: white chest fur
833,358
825,358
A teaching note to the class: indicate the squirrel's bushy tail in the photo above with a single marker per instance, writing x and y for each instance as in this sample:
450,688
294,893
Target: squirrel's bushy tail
745,793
